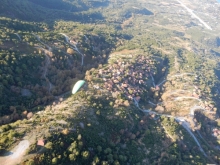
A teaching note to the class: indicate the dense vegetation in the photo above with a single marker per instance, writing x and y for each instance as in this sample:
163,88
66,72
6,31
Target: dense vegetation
102,124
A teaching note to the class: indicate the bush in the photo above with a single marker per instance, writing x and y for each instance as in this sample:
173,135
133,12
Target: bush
54,161
6,128
49,145
30,162
85,154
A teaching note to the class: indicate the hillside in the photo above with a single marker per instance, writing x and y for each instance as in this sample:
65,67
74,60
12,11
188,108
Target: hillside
48,11
151,92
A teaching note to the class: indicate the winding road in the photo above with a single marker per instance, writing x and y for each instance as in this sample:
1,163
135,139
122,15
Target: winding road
180,120
18,36
152,78
192,109
38,38
161,83
47,63
185,125
187,97
182,74
73,46
86,38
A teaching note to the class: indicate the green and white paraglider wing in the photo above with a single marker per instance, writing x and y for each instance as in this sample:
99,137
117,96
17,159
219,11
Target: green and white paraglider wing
77,86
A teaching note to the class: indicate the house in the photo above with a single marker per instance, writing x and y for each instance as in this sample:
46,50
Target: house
100,71
196,87
124,85
157,88
73,42
116,81
41,142
215,134
142,122
130,97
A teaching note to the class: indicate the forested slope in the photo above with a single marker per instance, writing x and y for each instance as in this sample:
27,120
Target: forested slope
47,11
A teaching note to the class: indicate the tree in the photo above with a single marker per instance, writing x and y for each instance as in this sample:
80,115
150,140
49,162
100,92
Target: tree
108,151
29,115
30,162
72,157
116,162
105,163
80,144
96,160
126,103
74,145
121,157
54,161
65,131
110,158
49,145
89,78
70,51
76,152
11,134
99,148
85,154
79,137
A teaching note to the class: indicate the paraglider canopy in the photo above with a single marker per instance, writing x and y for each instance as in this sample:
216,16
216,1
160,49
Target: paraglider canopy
77,86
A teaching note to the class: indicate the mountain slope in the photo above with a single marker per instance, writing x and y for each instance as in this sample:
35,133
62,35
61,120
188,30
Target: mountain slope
36,11
152,82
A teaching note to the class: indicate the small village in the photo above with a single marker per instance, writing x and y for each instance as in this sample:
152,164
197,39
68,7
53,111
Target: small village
128,78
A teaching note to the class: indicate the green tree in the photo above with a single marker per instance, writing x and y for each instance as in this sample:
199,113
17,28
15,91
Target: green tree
99,148
116,162
96,160
80,144
70,51
85,154
72,157
110,158
105,163
54,161
108,151
30,162
79,137
49,145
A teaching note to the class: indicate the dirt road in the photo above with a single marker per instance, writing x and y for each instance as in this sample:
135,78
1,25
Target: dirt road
15,155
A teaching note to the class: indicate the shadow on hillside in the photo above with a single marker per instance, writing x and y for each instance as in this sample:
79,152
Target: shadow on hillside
45,11
92,122
18,26
4,152
77,6
128,12
208,132
62,83
216,92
